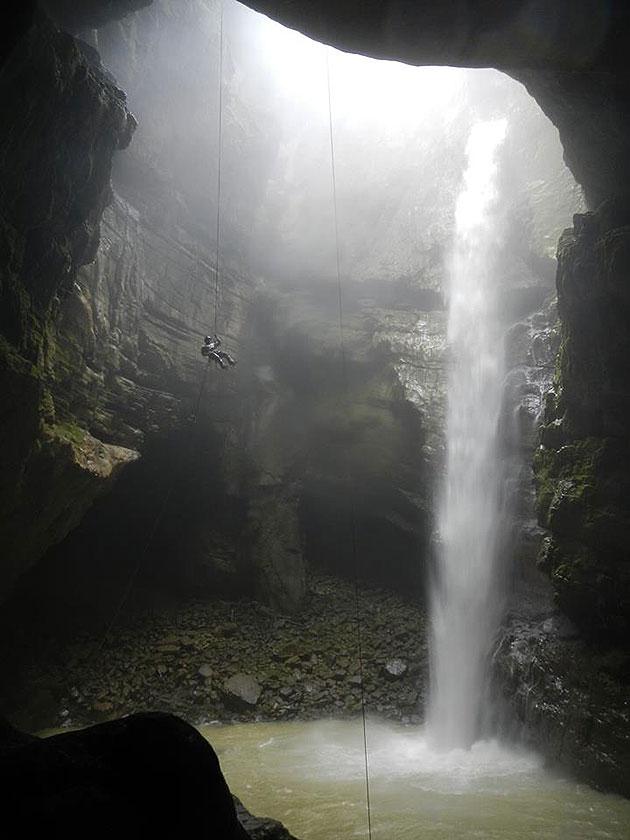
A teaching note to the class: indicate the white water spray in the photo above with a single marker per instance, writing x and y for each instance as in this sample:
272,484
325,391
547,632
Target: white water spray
464,611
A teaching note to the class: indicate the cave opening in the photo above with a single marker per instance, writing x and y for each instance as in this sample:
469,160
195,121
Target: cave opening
193,533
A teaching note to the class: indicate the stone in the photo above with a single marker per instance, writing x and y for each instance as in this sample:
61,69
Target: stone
205,671
167,649
242,690
395,668
260,828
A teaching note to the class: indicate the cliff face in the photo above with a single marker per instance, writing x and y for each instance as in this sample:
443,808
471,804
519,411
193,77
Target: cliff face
565,679
55,152
583,461
101,333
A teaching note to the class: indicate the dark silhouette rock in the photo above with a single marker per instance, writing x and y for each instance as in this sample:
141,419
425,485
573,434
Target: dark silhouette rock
148,775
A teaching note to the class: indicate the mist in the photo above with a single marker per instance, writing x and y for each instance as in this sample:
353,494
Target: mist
399,135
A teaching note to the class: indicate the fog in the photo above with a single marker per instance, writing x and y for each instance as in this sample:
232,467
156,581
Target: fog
399,134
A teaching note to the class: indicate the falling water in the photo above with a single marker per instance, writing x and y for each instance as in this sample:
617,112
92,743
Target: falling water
463,601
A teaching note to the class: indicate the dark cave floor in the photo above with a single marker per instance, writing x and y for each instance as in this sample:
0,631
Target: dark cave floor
204,660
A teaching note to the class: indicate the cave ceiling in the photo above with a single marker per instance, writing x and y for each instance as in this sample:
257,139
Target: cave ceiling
570,54
561,34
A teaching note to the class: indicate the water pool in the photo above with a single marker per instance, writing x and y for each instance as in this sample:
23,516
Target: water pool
311,777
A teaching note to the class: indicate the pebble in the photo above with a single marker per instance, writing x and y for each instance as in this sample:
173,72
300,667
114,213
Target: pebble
395,668
304,666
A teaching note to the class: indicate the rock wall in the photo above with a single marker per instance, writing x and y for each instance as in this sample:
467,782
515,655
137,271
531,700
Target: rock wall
583,463
102,362
55,154
564,680
563,696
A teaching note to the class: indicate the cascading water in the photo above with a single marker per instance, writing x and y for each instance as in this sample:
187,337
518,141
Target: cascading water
464,608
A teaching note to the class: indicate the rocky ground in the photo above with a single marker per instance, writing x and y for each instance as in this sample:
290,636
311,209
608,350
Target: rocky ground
234,661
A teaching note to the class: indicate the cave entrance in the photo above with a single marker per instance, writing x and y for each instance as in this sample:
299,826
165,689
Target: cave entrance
296,470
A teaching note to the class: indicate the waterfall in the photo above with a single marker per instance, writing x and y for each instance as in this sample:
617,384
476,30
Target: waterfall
463,602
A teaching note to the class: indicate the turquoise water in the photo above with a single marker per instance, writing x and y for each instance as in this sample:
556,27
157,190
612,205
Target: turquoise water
311,777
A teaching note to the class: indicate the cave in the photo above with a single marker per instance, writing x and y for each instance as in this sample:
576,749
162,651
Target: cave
391,508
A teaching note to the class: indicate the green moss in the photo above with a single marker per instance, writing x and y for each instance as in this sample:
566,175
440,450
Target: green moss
47,407
545,480
576,465
69,432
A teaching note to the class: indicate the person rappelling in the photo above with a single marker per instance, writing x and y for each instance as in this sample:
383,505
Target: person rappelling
210,349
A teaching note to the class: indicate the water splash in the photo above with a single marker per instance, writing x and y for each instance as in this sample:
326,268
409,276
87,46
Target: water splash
464,611
310,776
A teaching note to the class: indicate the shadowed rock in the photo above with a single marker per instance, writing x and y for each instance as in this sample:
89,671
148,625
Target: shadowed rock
147,775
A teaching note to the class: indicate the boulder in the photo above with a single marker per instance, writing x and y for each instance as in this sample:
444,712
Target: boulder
147,775
241,692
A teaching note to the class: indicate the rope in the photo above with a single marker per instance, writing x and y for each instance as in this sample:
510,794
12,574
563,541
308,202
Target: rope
344,371
352,507
168,493
220,143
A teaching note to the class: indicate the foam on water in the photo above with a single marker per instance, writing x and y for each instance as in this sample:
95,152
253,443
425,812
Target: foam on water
311,776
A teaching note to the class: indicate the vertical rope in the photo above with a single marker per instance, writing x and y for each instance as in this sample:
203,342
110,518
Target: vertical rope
344,370
220,144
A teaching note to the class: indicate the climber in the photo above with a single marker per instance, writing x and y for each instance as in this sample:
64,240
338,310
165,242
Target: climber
210,349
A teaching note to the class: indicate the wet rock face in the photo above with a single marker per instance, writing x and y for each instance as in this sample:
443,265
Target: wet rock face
55,153
570,701
583,462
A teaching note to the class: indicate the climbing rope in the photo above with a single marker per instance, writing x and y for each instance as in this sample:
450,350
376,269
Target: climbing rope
344,373
219,159
169,490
